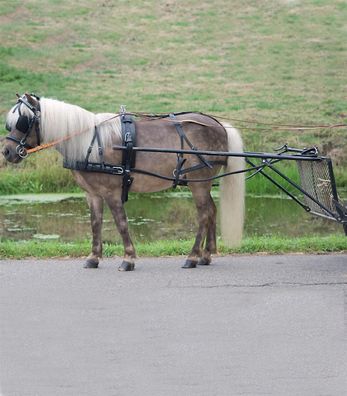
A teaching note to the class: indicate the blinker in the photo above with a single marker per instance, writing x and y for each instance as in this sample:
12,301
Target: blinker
23,124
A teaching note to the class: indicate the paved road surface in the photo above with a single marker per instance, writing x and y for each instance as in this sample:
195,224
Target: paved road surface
247,325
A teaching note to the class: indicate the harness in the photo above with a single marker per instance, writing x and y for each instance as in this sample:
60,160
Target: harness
179,171
128,130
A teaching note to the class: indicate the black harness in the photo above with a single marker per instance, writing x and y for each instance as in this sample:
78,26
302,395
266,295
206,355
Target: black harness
180,171
24,125
128,159
128,128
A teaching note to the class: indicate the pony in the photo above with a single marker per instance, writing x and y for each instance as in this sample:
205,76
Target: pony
35,122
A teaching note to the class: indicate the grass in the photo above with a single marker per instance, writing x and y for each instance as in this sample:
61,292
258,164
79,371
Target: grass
267,60
40,174
271,61
252,245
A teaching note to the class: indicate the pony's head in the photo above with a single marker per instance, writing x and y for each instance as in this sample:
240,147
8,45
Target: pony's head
23,125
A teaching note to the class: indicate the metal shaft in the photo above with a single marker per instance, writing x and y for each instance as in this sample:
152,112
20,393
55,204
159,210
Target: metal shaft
245,154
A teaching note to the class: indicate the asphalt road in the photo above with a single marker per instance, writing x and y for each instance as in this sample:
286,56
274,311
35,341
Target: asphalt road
246,325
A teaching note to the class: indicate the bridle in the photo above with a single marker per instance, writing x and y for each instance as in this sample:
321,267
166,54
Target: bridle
24,125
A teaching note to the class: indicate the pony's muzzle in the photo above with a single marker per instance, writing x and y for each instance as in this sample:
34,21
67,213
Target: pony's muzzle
6,153
11,154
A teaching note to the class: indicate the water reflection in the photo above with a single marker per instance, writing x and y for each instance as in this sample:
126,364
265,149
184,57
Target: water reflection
151,217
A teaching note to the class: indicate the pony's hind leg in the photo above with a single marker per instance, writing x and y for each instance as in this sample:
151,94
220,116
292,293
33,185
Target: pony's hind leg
202,197
116,206
96,206
211,239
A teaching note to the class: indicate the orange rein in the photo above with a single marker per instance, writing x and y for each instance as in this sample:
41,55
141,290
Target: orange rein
63,139
54,143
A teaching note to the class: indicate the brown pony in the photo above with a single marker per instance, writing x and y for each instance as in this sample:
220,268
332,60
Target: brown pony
33,122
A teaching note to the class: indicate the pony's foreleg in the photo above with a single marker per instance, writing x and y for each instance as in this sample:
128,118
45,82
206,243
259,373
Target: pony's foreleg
118,213
201,195
96,206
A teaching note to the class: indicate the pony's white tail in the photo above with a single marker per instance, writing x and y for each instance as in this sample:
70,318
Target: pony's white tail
232,192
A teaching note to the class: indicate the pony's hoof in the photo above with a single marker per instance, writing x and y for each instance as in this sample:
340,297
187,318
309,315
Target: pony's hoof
91,263
189,264
126,266
204,261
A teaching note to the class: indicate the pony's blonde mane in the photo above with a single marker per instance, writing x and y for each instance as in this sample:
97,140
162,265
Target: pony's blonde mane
60,120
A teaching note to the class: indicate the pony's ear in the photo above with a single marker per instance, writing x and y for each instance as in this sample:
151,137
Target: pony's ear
33,101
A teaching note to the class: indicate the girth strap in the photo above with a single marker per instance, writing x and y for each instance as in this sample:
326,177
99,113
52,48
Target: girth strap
128,139
128,160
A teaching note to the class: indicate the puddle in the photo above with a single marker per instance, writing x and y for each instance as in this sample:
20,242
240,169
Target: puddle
171,215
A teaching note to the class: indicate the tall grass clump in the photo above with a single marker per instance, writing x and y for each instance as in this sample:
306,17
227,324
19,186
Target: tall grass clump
40,174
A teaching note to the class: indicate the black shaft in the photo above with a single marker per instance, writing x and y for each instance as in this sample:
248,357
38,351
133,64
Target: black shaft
245,154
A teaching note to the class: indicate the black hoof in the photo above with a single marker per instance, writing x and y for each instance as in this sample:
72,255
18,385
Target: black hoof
91,263
189,264
126,266
204,261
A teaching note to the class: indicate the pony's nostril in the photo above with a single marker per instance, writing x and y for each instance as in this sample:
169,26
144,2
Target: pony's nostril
6,152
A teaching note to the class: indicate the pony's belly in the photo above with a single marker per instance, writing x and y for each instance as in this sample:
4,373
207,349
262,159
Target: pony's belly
144,184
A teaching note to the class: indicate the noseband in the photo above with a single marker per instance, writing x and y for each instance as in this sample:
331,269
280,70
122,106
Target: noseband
24,125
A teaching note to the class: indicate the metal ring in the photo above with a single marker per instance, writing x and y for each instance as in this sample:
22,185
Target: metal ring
21,151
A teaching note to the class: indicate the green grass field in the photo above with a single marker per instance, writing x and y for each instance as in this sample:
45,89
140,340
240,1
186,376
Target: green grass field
280,61
252,245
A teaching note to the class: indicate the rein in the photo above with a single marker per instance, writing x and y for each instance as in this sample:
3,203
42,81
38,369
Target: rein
23,149
63,139
153,117
274,126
